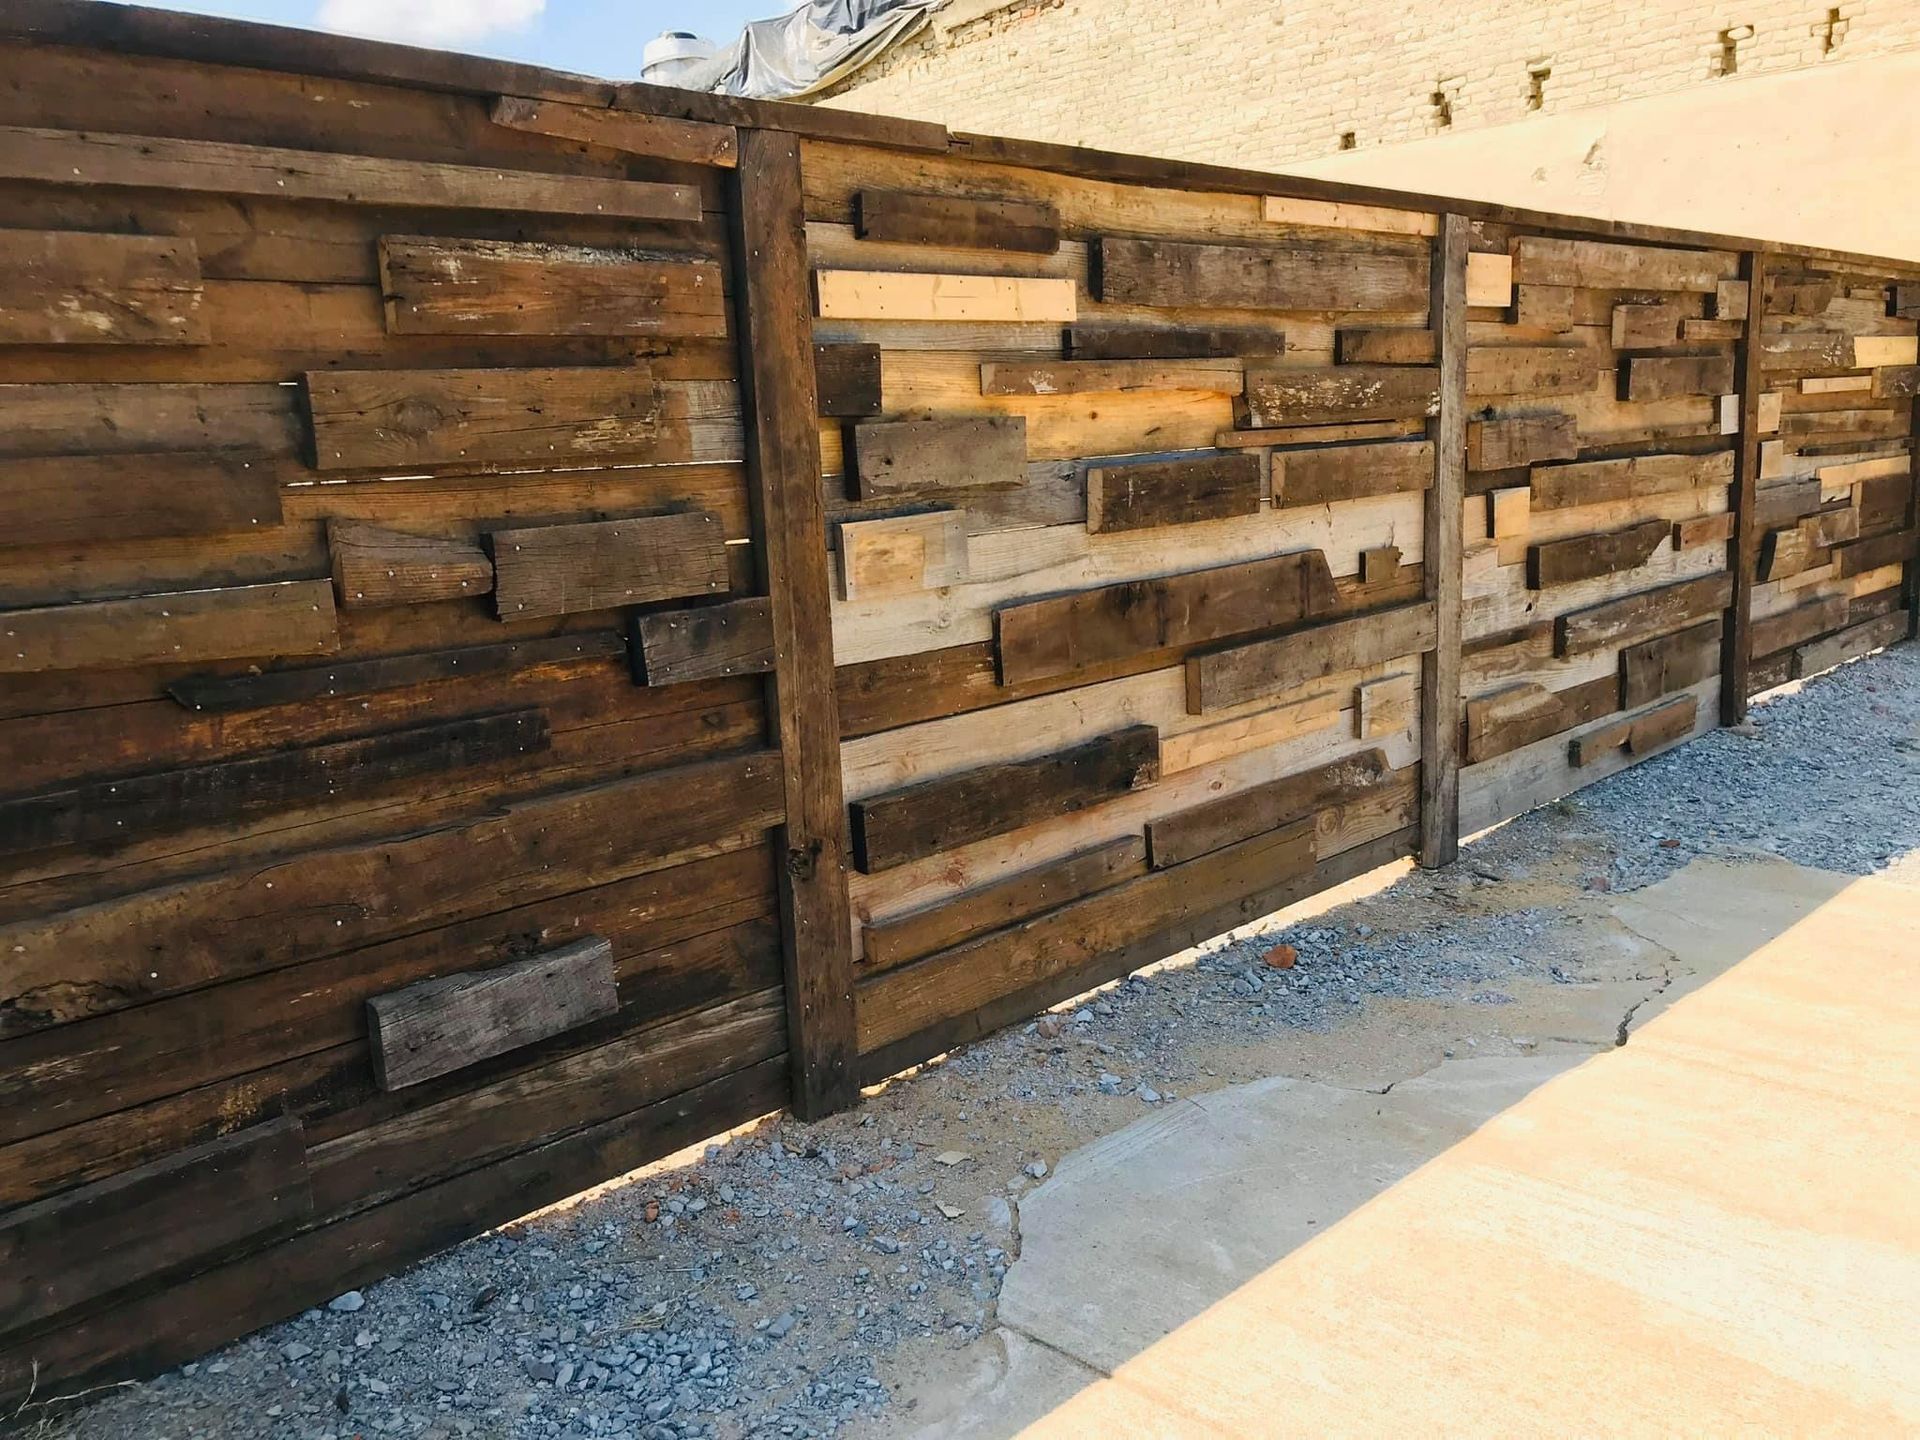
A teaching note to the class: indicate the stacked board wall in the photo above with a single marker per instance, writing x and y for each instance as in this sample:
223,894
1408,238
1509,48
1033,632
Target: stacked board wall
544,619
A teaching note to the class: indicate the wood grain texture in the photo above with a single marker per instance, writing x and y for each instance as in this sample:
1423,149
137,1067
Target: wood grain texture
76,288
1667,663
1041,638
658,137
901,554
1636,477
1279,663
977,299
1521,440
1338,215
446,1024
602,564
1175,839
1267,277
1661,377
1582,557
294,617
1642,732
441,286
1849,644
1785,629
956,222
922,457
1329,474
1489,280
1384,347
705,642
1644,327
846,379
903,825
1083,377
1341,393
1149,494
1098,341
1599,265
373,565
1497,371
73,499
1443,555
1641,616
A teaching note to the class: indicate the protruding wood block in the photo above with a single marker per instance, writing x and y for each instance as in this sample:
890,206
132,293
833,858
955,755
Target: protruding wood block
1265,277
980,299
1081,377
1321,434
956,222
1511,718
1489,280
1642,733
705,642
1603,265
902,825
1849,644
1730,301
1638,617
1787,552
1583,557
502,287
440,1026
1806,350
1637,477
599,565
1522,440
1872,350
73,499
1341,393
1533,371
1667,663
1384,707
1379,565
1544,307
1784,629
1154,493
1662,377
930,457
901,554
1711,332
373,565
1279,663
1896,382
1645,327
1188,834
847,379
1339,215
1703,530
1330,474
78,288
1509,512
1169,342
294,617
1385,347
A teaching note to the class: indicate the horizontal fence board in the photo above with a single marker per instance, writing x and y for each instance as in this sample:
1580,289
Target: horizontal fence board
373,565
1150,494
659,137
672,647
71,499
75,288
903,218
1285,662
1268,277
597,565
292,618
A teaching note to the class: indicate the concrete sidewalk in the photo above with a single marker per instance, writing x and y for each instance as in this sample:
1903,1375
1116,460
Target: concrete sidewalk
1715,1229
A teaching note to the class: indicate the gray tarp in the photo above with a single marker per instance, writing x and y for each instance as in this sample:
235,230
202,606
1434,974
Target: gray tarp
805,49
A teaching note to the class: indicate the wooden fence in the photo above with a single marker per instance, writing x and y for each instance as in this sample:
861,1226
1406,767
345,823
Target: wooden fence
454,757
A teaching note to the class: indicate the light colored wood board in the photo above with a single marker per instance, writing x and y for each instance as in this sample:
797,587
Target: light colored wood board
1332,474
1385,706
74,288
1591,482
1227,738
1545,308
1397,346
1500,601
443,286
1508,512
1080,377
1601,265
1730,300
1322,434
149,162
1676,506
1874,350
1843,477
292,618
1663,377
1133,271
1156,493
882,295
373,565
1489,280
932,457
659,137
1337,215
439,1026
901,554
1296,396
1495,371
604,564
1492,663
1007,565
1276,664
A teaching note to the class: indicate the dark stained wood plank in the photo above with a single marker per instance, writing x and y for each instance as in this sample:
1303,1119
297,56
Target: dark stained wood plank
1789,293
1904,300
921,457
600,564
256,689
1522,714
1882,501
189,1208
147,162
1785,629
1641,732
1148,494
1175,839
956,222
1496,371
1277,397
442,286
1267,277
71,499
704,642
134,807
1040,638
658,137
373,565
1641,616
1521,440
1443,558
404,418
1662,377
1864,555
1379,565
294,617
1598,265
1276,664
1634,477
453,1021
783,465
847,380
1544,307
74,288
1714,529
1896,382
903,825
901,938
1667,663
1582,557
1782,503
1169,342
1849,644
1385,347
1330,474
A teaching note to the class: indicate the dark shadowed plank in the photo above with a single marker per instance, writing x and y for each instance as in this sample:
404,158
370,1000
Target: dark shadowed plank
1638,617
564,569
955,222
671,647
1265,277
1145,495
1276,397
1667,663
295,617
373,565
1583,557
1276,664
69,499
847,380
917,457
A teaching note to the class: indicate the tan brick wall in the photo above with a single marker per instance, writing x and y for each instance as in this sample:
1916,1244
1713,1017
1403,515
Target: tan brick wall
1266,83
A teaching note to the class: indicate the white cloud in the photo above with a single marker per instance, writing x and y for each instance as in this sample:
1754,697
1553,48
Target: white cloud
428,22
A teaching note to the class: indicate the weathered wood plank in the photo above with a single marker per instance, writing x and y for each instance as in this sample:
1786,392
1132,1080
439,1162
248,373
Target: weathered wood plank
1410,429
706,642
1443,552
1266,277
1640,616
901,554
956,222
1849,644
1731,301
1644,327
901,938
373,565
1344,215
980,299
440,286
1703,530
1637,477
1661,377
1170,342
1176,839
1667,663
601,564
1081,377
1054,636
439,1026
1384,706
1600,265
1641,733
1280,663
1545,307
1385,347
1522,714
1882,550
847,379
903,825
1806,350
74,288
1209,744
294,617
1331,474
1582,557
1379,565
131,808
149,162
920,457
659,137
188,1208
1699,332
1282,397
1785,629
1149,494
1521,440
72,499
1896,382
1494,371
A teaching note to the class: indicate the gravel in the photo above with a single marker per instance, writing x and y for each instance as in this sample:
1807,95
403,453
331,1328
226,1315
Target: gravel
769,1287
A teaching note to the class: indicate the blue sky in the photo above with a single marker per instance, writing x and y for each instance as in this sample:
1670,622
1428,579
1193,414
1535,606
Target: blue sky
594,37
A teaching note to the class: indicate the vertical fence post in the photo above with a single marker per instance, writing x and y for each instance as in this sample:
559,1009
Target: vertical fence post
1441,557
1910,576
1743,550
780,410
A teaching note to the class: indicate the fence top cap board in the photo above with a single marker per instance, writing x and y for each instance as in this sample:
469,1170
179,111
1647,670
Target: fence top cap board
139,30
